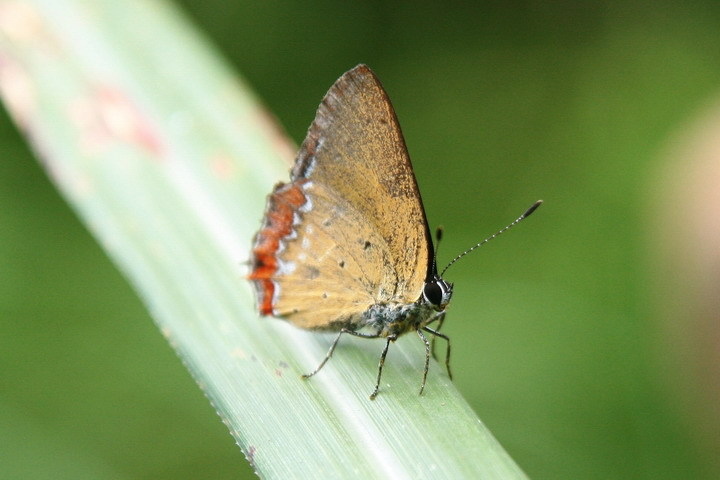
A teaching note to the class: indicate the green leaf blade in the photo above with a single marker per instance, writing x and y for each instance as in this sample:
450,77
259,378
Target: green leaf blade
168,159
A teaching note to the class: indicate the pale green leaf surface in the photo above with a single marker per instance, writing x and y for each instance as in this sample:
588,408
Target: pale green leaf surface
168,159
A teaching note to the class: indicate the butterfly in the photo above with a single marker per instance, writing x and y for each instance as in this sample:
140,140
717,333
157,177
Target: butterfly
345,245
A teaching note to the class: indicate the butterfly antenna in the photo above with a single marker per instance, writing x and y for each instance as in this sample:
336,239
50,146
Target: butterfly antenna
438,238
522,217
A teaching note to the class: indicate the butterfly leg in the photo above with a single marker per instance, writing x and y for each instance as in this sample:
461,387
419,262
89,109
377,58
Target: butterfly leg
427,359
447,352
441,319
329,353
390,338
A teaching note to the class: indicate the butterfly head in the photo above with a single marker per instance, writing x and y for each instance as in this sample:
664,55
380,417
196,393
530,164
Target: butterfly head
437,293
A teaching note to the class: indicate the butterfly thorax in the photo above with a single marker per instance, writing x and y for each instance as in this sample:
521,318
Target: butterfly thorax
394,319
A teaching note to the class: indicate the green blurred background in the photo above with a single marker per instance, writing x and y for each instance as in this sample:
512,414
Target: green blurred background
558,343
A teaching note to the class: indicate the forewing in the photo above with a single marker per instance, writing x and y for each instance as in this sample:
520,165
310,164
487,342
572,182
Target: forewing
355,148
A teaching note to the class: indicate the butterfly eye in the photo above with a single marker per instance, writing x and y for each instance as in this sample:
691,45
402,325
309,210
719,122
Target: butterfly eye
432,293
437,292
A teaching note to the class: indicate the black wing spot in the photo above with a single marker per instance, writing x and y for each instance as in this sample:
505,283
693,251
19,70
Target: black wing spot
312,273
342,263
367,245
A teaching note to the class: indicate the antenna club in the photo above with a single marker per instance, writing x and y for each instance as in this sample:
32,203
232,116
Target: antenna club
532,208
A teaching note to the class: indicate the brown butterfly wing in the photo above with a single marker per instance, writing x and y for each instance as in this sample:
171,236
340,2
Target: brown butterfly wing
349,230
